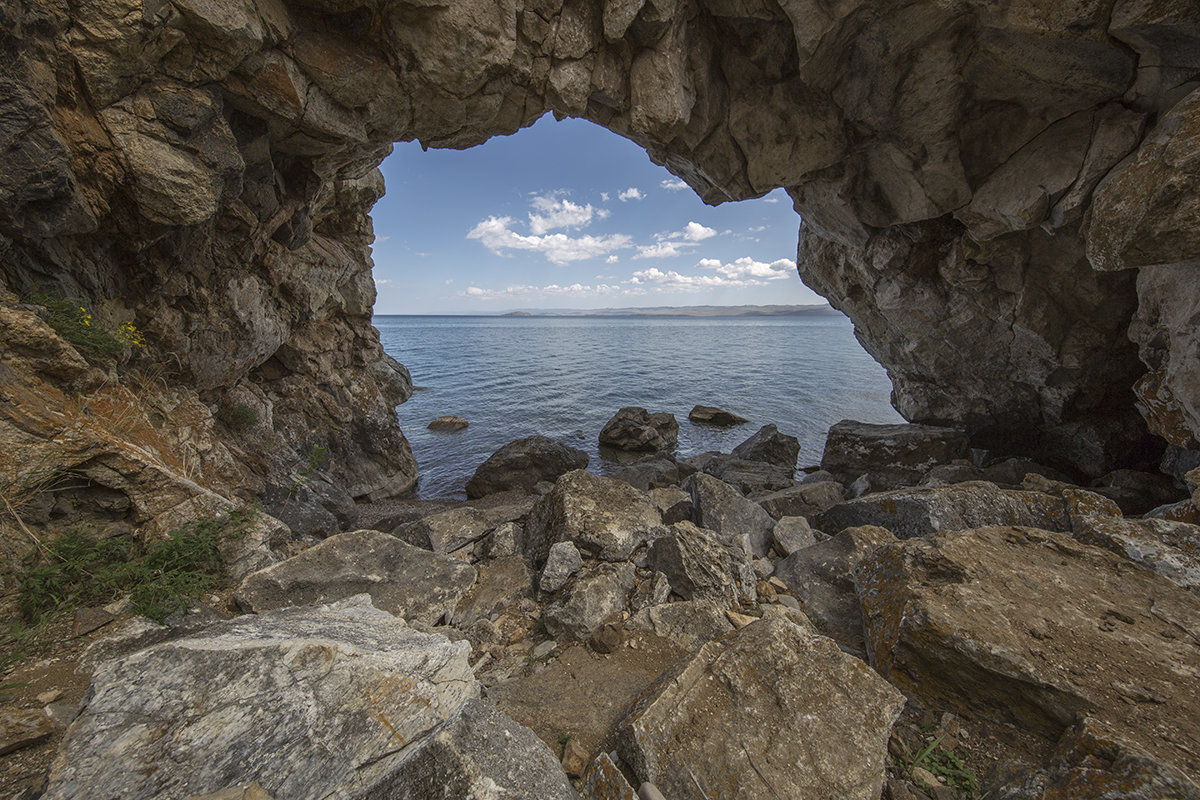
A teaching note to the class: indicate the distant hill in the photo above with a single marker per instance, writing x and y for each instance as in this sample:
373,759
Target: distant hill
681,311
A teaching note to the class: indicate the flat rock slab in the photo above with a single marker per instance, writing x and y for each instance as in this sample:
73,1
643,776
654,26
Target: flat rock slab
770,711
307,702
853,448
1034,628
407,581
22,728
1172,549
803,500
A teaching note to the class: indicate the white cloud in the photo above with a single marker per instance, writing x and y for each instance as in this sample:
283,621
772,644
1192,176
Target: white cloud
604,197
497,235
674,185
612,259
740,274
526,292
770,199
384,281
747,269
695,232
678,243
450,281
756,229
663,249
632,193
554,213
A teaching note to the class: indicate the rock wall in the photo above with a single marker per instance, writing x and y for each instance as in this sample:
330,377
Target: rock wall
992,191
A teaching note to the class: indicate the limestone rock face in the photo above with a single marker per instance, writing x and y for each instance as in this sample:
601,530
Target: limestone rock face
805,720
1010,623
304,701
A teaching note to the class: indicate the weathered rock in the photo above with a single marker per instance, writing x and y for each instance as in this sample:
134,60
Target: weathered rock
313,507
750,477
688,624
1009,623
925,510
711,415
479,752
605,781
635,428
594,596
791,534
502,582
503,540
822,579
804,500
522,464
674,505
606,519
448,424
254,698
771,446
452,530
243,791
722,509
407,581
651,591
808,721
853,448
23,728
1137,492
1172,549
694,562
650,473
562,562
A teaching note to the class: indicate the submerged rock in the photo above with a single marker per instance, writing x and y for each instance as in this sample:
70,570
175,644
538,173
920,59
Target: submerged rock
711,415
448,424
635,428
523,464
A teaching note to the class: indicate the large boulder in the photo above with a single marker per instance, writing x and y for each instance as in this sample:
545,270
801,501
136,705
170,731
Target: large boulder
803,500
592,598
457,528
635,428
651,472
854,448
821,577
407,581
688,625
308,702
1172,549
695,563
771,711
771,446
523,464
721,508
750,477
1031,627
605,518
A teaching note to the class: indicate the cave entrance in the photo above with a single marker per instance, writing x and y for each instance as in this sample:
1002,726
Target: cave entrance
488,259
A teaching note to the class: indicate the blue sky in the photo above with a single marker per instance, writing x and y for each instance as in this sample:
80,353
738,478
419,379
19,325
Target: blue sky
568,215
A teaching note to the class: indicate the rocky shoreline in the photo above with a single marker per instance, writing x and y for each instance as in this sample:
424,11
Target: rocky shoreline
906,620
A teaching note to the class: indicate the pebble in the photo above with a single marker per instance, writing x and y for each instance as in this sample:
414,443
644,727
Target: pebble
544,649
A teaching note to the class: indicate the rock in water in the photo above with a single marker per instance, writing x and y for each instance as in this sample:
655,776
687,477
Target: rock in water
308,702
1034,628
635,428
711,415
768,712
523,464
407,581
771,446
854,448
448,424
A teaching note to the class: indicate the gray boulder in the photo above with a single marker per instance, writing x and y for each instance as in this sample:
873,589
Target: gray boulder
711,415
804,500
822,579
687,625
502,582
522,464
653,472
1172,549
562,562
452,530
307,702
722,509
673,504
407,581
791,534
594,597
314,507
853,448
695,563
771,711
771,446
750,477
635,428
605,518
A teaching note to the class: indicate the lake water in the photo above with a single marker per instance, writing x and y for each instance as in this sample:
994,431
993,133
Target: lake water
564,378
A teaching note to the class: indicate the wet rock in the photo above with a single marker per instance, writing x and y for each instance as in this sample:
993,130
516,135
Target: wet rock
750,477
822,578
771,446
687,625
253,698
522,464
925,510
407,581
606,519
804,500
722,509
562,562
807,720
448,424
711,415
23,728
1009,624
594,596
791,534
674,505
853,448
452,530
1172,549
502,582
695,563
634,428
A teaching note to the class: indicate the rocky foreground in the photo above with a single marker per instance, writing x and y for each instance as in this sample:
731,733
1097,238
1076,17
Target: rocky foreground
896,623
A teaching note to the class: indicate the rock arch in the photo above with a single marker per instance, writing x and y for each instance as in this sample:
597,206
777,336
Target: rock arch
1001,195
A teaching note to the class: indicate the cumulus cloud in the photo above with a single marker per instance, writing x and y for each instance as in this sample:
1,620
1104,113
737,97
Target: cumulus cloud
527,292
384,281
739,274
747,269
552,212
664,249
695,232
632,193
612,259
674,185
497,235
678,243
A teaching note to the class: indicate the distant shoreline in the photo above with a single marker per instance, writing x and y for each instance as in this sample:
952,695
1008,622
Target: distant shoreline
656,312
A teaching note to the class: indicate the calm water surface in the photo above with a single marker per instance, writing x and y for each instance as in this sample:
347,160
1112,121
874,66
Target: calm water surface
564,378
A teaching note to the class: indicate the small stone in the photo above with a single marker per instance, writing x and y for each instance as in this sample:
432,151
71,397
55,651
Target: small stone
711,415
448,424
562,562
22,728
648,791
46,698
89,619
575,758
607,638
503,541
544,649
604,781
924,777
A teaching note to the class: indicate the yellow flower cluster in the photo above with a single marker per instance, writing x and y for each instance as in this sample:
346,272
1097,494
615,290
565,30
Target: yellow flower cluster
85,317
130,336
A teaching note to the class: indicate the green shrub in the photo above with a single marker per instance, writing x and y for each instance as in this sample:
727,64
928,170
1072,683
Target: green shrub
237,415
70,319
